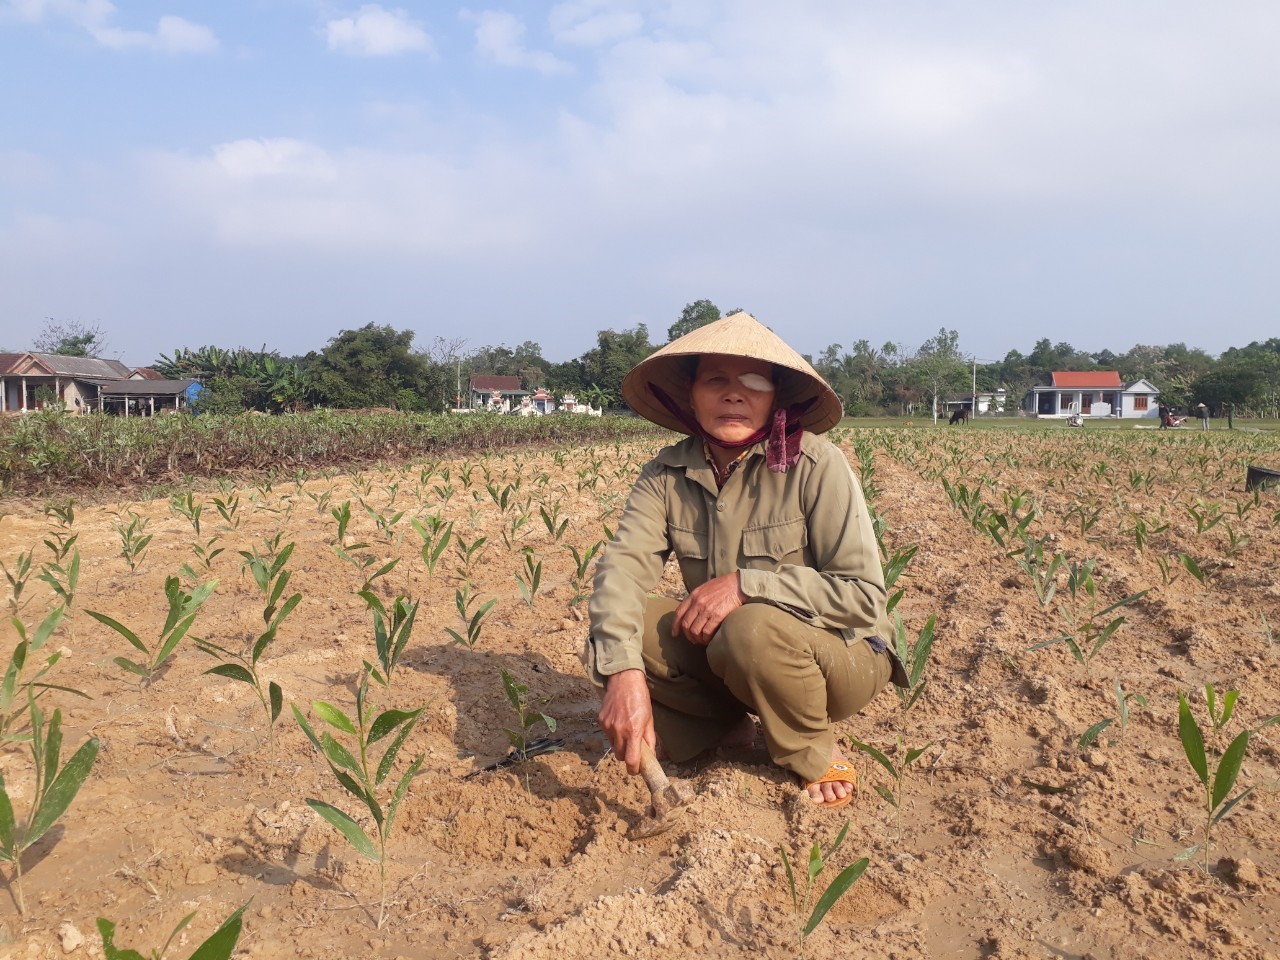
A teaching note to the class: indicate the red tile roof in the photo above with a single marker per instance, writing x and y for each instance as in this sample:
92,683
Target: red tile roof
1092,380
489,382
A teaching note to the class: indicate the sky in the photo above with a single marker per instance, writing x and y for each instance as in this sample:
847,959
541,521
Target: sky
271,172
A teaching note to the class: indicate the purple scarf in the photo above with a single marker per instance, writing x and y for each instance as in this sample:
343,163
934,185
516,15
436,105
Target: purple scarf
783,449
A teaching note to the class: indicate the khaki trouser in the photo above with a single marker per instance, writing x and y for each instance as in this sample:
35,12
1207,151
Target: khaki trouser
796,678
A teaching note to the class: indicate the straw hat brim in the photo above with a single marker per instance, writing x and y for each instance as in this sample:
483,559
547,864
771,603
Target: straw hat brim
737,335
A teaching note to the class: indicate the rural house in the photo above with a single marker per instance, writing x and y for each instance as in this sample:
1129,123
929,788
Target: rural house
33,381
494,391
1097,393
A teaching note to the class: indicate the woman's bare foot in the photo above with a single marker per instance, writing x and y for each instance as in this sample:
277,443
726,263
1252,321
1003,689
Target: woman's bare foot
832,791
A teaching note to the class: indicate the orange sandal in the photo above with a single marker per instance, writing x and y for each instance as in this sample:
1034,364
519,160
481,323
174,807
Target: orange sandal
842,772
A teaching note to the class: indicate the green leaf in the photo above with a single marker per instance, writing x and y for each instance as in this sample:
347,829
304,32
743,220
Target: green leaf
175,638
53,744
1228,706
6,819
107,930
1229,769
388,721
347,827
877,756
306,727
914,754
339,755
48,625
1089,736
232,671
399,793
276,698
127,664
791,880
816,862
1192,740
121,629
886,794
182,925
334,717
389,758
62,791
847,878
1230,804
835,844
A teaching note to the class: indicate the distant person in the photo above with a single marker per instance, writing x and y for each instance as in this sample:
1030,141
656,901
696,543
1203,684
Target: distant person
1203,413
1166,421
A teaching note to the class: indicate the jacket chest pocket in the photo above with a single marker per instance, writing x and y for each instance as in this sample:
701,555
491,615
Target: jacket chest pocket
688,544
776,541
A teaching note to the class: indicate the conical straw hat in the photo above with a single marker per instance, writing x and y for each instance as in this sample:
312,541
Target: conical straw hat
737,335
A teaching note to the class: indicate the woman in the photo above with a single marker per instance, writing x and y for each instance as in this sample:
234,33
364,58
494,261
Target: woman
786,601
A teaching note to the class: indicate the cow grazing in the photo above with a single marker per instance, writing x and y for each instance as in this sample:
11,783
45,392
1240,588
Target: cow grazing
960,416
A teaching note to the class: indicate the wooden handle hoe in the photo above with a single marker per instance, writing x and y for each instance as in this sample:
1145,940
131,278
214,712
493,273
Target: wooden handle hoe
669,797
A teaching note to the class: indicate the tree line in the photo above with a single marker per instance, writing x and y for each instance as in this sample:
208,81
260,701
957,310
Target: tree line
379,366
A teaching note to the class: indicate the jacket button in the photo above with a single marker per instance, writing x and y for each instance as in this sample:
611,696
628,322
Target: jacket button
719,508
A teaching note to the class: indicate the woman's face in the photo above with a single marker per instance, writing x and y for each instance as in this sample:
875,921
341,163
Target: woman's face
732,397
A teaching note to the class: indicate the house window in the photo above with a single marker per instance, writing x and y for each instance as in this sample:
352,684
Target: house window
1139,403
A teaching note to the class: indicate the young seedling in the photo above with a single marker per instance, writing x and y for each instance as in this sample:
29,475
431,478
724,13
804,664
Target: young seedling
1217,774
518,697
56,785
1090,736
391,632
1090,630
18,578
358,775
183,608
16,691
385,522
463,599
185,505
220,945
819,857
133,539
63,577
435,534
531,577
555,526
206,553
895,796
365,565
1044,575
243,666
229,509
582,570
914,656
469,555
271,577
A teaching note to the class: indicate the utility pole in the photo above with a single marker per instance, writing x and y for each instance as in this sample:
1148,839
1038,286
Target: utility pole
973,410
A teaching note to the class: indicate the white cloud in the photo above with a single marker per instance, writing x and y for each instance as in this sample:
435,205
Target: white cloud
500,38
593,23
173,35
375,32
277,157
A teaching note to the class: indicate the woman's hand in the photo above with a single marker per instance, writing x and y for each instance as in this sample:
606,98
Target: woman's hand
700,613
626,716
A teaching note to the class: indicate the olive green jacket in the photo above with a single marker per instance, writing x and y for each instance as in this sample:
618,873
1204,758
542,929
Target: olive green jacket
801,540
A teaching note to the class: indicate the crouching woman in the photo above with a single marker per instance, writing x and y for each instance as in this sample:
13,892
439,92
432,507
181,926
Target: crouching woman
785,615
